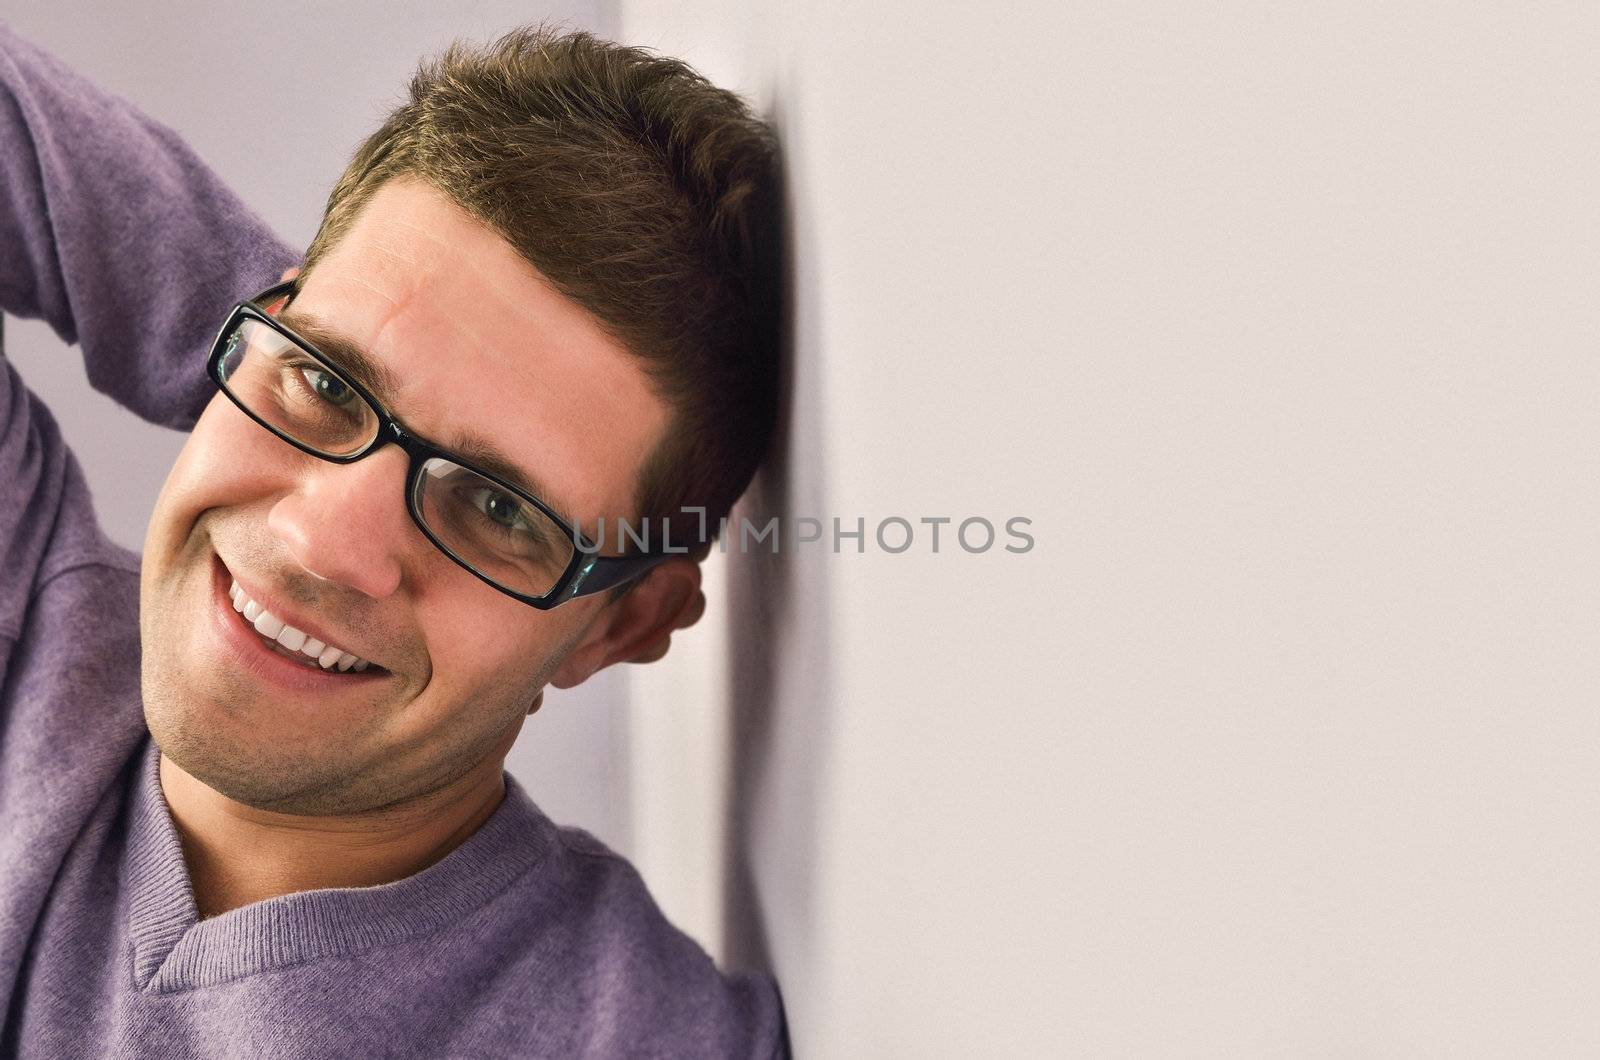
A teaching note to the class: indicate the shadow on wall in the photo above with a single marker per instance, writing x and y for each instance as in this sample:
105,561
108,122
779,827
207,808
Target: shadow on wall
778,660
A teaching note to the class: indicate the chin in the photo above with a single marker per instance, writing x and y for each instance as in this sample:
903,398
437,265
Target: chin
217,729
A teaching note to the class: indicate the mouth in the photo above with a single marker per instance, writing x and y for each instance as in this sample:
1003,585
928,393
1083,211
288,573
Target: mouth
281,658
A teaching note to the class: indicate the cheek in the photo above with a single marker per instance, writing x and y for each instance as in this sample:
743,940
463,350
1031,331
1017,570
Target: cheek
482,651
227,459
227,462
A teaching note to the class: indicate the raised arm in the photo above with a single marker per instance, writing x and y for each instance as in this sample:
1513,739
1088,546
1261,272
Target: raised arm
118,236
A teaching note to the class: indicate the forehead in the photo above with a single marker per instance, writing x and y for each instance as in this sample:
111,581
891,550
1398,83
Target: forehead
479,345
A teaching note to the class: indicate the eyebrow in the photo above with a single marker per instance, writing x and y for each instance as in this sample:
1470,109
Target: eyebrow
377,378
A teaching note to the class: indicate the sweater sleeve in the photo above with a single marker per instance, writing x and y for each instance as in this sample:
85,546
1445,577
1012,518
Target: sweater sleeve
117,235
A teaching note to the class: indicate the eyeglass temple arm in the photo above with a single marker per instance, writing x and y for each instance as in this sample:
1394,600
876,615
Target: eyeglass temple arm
273,293
599,573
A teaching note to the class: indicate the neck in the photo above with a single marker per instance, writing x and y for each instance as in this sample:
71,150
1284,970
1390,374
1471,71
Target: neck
238,854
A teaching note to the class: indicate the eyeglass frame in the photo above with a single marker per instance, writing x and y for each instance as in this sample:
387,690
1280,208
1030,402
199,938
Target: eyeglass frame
586,572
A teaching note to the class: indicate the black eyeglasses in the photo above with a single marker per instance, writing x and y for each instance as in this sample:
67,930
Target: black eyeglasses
500,533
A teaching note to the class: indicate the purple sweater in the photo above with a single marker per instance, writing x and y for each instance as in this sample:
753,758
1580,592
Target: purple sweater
527,940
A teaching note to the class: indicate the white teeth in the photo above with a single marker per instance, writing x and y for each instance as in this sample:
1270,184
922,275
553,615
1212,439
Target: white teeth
268,625
273,628
291,638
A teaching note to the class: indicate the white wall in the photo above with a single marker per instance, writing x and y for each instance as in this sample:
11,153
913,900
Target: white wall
276,97
1279,322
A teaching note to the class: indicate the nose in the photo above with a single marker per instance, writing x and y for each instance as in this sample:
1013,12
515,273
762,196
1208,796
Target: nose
348,522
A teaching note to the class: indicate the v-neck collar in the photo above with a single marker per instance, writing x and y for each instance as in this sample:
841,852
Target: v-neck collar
173,949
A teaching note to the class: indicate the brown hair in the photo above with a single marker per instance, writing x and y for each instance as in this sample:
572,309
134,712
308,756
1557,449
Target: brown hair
642,192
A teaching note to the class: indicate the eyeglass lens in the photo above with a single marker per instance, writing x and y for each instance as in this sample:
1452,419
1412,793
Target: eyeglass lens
495,532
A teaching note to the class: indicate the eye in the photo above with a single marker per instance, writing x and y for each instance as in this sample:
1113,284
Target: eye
329,388
502,508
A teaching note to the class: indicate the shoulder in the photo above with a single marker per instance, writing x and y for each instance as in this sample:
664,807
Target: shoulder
597,950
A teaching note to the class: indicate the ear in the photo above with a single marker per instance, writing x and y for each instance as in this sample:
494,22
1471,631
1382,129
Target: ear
645,616
288,274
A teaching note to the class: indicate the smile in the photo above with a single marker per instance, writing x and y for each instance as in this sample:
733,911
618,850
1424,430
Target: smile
292,641
314,667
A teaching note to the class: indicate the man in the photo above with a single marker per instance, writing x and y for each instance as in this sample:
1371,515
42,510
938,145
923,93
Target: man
541,302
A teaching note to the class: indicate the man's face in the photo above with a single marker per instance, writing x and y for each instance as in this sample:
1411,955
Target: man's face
479,345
